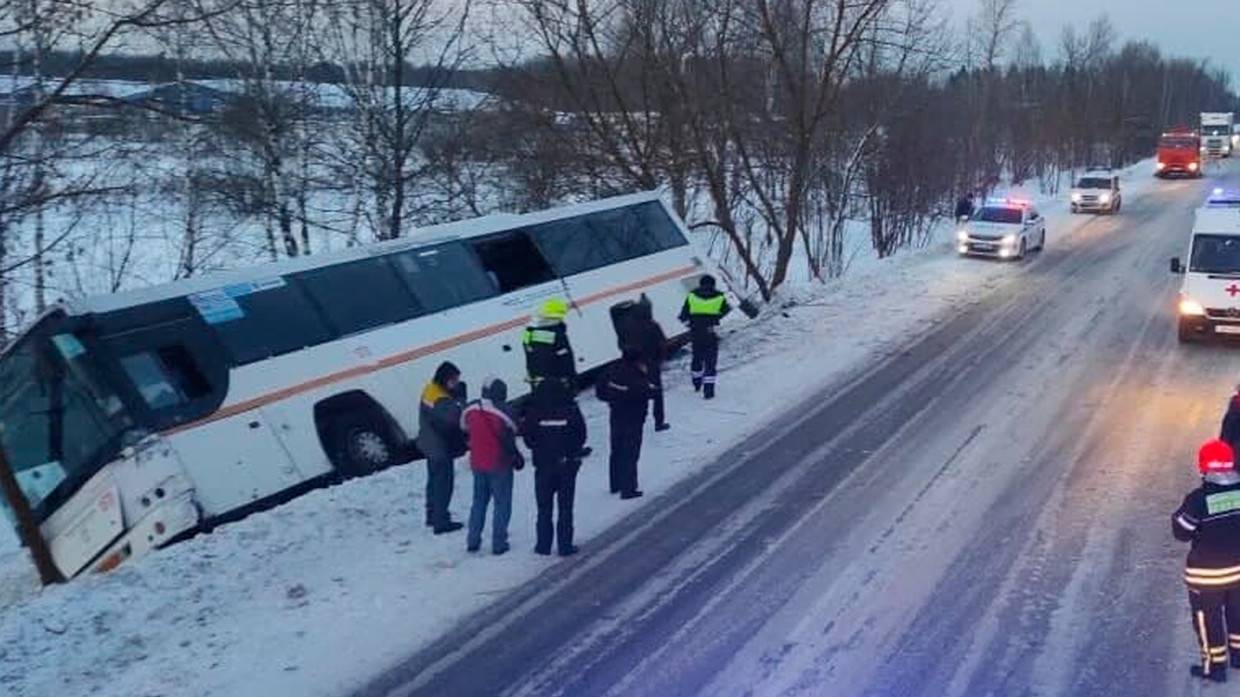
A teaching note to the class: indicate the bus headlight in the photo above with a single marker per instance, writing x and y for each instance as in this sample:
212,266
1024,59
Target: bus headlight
1191,307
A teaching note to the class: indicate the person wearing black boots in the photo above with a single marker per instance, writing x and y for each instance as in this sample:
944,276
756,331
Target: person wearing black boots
626,389
555,431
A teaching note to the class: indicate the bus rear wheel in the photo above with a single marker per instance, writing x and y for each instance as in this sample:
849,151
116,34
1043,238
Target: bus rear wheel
361,445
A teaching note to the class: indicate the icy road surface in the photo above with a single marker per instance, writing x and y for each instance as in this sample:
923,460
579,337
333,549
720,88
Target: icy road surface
985,513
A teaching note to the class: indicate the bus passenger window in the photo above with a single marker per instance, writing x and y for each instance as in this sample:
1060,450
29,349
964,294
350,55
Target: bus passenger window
359,295
514,260
444,276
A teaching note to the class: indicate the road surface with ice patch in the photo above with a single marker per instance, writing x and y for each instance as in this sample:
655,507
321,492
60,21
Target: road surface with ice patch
985,512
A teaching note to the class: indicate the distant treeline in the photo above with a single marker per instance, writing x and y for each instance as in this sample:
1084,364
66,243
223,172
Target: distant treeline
160,68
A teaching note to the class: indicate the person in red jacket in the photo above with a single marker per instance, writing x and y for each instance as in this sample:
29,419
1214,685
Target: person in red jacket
493,457
1209,518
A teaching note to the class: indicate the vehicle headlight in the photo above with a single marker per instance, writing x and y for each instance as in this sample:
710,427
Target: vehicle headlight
962,236
1192,166
1076,197
1104,198
1009,239
1188,306
1160,165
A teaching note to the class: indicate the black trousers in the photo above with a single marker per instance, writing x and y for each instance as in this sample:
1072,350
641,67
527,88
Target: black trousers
1216,625
626,448
705,360
655,372
555,486
439,482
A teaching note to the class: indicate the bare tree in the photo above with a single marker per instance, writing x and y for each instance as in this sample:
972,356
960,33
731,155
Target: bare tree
992,29
377,42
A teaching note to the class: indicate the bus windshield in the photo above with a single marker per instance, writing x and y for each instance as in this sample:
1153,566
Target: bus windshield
58,421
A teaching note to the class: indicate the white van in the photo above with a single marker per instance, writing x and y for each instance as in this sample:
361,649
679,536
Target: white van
1210,294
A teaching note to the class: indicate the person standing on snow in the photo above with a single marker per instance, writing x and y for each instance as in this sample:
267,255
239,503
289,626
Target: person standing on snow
626,389
1209,518
440,439
555,431
964,206
548,353
643,335
1230,431
703,309
493,457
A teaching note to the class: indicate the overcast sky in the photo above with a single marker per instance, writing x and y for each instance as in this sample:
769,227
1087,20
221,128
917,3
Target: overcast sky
1195,28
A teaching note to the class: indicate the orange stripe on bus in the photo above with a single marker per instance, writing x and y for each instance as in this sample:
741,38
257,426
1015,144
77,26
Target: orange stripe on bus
413,354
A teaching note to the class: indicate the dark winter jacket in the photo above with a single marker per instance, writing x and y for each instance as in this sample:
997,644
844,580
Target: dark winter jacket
1210,519
491,430
552,426
644,337
548,353
703,323
626,389
439,422
1230,432
964,207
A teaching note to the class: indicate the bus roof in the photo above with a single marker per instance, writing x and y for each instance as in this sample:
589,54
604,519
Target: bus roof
463,229
1217,221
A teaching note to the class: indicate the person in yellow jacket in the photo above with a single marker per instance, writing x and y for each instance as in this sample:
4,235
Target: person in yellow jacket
548,353
704,307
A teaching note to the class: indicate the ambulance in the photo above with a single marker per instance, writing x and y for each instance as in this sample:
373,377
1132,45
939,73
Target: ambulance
1209,302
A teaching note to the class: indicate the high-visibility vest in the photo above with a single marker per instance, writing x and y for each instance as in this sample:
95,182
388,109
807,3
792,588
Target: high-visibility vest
538,336
710,307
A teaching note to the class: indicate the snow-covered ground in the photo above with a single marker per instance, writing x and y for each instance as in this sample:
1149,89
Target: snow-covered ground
320,594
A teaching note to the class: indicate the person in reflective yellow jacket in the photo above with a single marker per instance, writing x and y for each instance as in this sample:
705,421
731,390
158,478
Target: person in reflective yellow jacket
704,307
548,353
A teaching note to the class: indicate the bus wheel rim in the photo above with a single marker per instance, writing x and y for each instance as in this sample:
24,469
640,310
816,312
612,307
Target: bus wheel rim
369,447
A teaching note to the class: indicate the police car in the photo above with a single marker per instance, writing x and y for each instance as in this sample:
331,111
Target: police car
1006,228
1210,293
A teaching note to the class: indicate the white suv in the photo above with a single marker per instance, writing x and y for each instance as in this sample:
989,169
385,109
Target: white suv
1004,229
1097,192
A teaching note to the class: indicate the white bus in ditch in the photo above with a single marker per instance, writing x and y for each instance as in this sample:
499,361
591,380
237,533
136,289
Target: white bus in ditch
133,418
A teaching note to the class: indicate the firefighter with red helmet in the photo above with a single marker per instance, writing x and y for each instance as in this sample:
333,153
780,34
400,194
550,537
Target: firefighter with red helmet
1209,518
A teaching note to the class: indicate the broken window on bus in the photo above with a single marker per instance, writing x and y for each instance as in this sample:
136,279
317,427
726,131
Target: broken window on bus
513,261
591,241
359,295
443,276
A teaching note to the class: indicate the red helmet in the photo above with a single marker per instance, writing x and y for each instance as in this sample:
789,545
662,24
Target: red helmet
1215,456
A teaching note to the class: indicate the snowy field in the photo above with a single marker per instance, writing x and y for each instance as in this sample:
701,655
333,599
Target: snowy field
320,594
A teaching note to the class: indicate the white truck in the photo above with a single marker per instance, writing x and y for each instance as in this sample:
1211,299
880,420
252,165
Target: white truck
1216,132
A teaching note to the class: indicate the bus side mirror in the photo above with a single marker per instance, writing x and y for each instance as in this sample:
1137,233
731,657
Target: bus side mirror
1176,266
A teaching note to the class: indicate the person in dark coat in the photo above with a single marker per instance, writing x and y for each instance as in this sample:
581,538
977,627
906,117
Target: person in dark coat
645,337
704,308
441,440
1230,431
1209,518
964,207
555,431
626,389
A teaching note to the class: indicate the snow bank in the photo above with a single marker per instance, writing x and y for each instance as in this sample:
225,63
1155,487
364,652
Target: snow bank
320,594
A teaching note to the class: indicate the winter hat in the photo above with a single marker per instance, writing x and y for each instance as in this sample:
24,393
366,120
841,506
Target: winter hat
495,389
1215,456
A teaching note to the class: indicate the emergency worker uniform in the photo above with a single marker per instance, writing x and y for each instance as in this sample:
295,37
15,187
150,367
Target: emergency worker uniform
627,391
555,432
1209,518
548,353
703,309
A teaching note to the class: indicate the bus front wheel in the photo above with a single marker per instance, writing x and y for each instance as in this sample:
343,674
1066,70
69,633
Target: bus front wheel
361,445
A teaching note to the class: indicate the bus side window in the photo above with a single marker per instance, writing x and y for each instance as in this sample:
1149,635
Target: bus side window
444,276
359,295
166,377
587,242
514,260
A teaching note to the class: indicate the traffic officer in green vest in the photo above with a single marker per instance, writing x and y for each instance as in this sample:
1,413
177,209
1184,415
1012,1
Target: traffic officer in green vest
548,354
704,307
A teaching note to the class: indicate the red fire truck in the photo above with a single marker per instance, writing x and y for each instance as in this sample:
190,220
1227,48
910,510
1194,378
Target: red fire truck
1179,152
